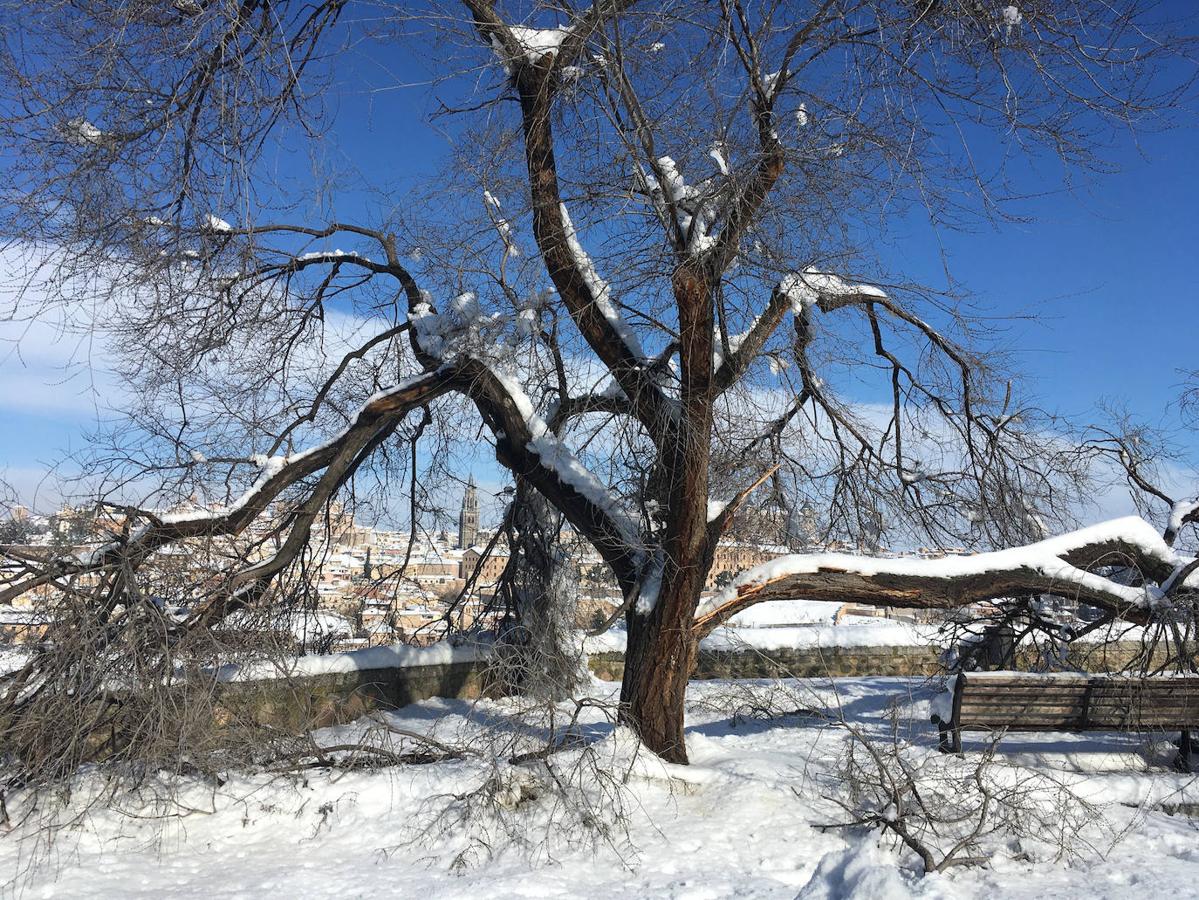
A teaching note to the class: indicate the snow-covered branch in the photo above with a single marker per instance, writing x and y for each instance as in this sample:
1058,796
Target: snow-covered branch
276,475
600,290
1182,513
525,443
1059,565
585,294
798,292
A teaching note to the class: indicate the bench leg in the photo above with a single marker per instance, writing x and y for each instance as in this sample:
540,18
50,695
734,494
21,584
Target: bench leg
943,738
949,737
1183,761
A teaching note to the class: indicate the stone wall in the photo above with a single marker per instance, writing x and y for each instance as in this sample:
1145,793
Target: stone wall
818,662
1110,657
330,699
808,662
317,701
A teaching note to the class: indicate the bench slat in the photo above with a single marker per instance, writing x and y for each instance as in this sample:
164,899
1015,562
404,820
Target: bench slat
1075,703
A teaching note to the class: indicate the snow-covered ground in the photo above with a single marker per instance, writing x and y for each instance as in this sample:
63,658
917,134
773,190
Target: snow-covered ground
742,821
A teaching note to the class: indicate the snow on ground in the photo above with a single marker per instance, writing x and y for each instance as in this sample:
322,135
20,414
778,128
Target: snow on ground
12,658
787,612
742,821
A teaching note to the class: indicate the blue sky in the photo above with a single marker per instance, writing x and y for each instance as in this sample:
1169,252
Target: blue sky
1106,268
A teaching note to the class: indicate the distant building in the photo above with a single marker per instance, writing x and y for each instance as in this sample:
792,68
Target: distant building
803,529
21,626
468,517
731,558
489,568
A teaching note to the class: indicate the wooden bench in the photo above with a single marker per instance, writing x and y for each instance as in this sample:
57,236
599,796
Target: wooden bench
1016,701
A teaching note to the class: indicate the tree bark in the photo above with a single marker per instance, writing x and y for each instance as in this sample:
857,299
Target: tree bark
661,646
659,657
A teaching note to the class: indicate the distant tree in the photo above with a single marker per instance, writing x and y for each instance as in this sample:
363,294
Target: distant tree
15,531
646,278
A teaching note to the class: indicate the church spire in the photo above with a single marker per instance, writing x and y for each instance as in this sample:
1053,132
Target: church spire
468,516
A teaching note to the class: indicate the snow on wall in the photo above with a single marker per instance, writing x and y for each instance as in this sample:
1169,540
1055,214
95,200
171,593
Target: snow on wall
395,656
869,633
798,637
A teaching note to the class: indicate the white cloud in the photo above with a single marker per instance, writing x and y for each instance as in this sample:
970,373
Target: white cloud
52,362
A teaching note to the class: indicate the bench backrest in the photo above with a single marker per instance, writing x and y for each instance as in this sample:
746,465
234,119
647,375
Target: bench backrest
1075,703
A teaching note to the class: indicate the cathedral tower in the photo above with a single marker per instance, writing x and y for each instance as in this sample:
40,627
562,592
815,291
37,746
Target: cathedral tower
468,517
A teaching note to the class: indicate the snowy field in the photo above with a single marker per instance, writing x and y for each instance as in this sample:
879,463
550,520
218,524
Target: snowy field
744,820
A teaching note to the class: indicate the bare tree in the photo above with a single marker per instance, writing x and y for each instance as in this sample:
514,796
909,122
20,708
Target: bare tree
648,262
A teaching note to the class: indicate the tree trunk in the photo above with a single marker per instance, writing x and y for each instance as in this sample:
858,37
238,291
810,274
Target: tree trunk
660,653
659,657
